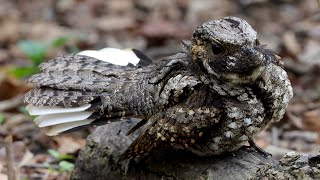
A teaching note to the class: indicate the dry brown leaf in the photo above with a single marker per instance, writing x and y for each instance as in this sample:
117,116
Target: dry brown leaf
10,87
311,120
310,54
291,43
166,29
9,32
295,120
261,143
66,144
26,159
2,176
114,23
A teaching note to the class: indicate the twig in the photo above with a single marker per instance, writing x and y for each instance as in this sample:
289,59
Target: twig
40,166
10,103
12,170
275,136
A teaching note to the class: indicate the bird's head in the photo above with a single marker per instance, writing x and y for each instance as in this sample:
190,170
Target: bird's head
229,49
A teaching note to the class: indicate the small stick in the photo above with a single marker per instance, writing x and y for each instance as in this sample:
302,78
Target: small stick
40,166
12,170
275,136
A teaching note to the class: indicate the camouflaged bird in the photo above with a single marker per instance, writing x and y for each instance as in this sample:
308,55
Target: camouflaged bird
210,98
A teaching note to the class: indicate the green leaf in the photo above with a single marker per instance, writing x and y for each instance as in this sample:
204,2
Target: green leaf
35,51
21,72
1,118
66,166
66,157
61,41
54,153
23,110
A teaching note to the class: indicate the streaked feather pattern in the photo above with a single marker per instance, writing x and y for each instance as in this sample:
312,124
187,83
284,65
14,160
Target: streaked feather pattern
198,100
76,72
43,110
55,97
72,89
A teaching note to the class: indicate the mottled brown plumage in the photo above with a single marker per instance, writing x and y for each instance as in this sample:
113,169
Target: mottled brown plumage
210,98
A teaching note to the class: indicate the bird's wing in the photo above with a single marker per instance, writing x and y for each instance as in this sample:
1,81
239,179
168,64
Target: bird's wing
45,96
69,88
77,72
181,125
91,70
173,128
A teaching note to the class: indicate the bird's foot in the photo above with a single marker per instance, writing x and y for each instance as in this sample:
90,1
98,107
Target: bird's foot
258,149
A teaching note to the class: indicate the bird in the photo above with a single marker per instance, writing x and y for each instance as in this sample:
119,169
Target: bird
212,97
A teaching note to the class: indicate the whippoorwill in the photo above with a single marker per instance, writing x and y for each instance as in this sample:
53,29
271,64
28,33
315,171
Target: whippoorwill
212,97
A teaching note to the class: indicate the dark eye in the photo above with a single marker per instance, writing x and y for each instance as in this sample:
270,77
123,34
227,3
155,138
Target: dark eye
216,49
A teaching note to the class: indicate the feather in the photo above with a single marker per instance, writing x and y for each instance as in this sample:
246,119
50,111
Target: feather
74,72
144,59
113,56
55,130
69,87
54,119
60,98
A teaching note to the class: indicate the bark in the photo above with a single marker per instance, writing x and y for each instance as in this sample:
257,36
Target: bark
99,161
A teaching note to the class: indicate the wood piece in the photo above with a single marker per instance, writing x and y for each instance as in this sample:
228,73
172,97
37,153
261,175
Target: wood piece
12,170
99,161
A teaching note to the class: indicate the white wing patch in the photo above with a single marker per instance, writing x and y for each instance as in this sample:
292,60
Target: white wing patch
115,56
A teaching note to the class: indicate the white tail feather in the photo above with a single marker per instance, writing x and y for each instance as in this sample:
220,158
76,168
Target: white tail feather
55,130
44,110
54,119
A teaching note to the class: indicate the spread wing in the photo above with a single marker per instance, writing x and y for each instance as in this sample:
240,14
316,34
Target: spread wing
77,72
69,88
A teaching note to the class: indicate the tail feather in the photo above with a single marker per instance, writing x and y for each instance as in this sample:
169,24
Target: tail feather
57,129
55,119
69,88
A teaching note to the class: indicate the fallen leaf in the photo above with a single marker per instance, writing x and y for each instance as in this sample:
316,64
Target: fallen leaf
26,159
66,144
291,43
311,120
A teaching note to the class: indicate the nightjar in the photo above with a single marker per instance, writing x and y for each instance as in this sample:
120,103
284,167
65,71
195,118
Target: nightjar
212,97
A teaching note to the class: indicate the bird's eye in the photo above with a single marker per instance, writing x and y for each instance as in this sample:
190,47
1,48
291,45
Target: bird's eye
216,49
